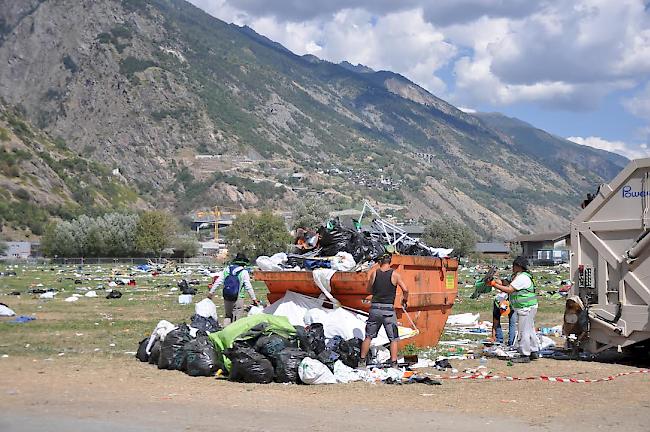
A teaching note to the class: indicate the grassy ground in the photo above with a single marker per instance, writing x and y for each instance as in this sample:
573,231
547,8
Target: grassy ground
100,327
90,326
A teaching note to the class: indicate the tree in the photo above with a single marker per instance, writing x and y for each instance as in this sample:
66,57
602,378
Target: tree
3,247
154,232
111,235
186,245
258,234
446,233
310,213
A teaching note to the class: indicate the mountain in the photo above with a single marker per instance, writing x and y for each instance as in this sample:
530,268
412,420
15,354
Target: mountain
195,112
556,153
41,178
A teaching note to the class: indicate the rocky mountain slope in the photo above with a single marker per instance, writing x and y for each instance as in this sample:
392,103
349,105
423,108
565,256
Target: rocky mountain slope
41,177
195,112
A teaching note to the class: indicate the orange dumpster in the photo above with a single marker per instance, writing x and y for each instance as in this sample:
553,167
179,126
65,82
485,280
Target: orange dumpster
432,284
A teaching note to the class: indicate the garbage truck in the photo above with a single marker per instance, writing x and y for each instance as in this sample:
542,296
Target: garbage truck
610,265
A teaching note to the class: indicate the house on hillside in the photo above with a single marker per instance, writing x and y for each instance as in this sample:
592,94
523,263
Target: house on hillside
495,250
545,248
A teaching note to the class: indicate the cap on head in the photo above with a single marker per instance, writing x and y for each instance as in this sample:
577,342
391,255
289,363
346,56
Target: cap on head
521,262
240,258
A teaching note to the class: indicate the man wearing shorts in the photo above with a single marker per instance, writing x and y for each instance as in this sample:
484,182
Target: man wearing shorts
382,285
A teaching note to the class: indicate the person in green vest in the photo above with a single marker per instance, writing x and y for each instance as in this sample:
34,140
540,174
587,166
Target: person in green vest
524,302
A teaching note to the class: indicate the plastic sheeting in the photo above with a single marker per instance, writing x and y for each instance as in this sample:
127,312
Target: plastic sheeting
463,320
322,279
303,310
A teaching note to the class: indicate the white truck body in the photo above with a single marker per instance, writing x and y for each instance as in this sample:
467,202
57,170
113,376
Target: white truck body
610,260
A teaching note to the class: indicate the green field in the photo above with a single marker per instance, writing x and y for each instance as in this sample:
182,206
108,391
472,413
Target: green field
110,328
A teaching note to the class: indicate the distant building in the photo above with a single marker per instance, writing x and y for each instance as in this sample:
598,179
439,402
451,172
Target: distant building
497,250
545,248
18,250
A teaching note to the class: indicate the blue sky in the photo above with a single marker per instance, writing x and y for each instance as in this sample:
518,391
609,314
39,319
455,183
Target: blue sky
578,69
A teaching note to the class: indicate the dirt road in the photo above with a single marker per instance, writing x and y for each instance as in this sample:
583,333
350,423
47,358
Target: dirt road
86,394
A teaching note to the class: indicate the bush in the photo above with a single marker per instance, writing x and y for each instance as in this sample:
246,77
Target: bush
446,233
22,194
256,235
311,213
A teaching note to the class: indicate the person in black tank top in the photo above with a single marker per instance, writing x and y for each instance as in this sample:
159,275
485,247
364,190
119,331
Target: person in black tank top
382,285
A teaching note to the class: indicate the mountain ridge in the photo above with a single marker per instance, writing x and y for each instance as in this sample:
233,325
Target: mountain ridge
151,87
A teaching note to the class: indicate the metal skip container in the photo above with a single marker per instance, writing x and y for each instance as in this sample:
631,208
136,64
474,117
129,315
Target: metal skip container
432,284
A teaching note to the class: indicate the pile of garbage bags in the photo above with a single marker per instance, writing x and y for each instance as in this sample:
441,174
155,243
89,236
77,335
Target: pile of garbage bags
264,348
344,247
182,347
257,349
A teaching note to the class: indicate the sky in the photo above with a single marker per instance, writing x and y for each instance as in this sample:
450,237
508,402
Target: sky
578,69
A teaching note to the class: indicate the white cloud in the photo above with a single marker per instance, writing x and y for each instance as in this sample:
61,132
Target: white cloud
639,105
618,147
552,53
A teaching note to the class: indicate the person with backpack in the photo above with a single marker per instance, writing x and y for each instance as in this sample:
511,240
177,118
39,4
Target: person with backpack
524,301
236,283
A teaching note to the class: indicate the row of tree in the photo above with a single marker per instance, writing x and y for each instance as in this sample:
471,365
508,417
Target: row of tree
150,233
118,235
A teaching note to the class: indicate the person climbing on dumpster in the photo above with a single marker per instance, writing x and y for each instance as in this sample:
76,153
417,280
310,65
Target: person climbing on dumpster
382,285
236,283
524,301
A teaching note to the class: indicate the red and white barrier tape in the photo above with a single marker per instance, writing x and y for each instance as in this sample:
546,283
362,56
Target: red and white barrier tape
541,377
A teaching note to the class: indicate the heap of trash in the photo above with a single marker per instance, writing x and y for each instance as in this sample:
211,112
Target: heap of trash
294,340
347,245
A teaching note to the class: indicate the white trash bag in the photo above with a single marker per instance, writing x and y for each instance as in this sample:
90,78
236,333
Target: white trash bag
206,308
345,374
314,372
343,261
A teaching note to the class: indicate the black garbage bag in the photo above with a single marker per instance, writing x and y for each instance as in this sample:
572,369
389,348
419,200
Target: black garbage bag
287,363
328,358
172,354
335,240
141,354
249,366
209,324
302,337
186,288
333,344
349,352
154,356
316,338
270,345
366,249
201,358
114,294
